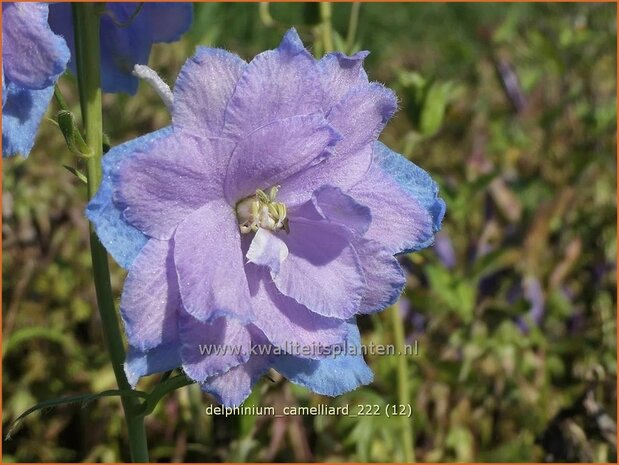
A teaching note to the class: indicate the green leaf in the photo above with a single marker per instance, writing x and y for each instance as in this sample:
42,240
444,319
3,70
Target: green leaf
163,389
78,174
433,112
73,138
84,399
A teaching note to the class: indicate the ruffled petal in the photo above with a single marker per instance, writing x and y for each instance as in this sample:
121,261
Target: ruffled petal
337,207
203,88
22,113
122,240
288,324
383,274
209,263
339,74
175,176
276,84
403,199
322,270
359,118
331,376
233,387
33,57
274,152
157,360
150,300
209,349
414,180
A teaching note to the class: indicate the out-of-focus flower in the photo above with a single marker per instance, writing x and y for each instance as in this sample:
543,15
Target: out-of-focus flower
445,250
534,294
33,58
266,216
37,43
128,32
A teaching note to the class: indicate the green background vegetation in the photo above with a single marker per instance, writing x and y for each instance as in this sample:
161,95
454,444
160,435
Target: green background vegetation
514,311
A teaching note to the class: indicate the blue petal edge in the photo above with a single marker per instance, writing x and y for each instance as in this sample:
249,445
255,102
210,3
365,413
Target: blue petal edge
414,181
122,241
22,113
143,363
331,376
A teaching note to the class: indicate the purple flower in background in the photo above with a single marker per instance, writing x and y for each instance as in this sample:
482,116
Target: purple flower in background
35,54
267,215
128,32
33,58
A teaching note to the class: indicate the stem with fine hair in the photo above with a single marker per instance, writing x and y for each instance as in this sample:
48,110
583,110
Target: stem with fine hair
325,26
86,18
402,382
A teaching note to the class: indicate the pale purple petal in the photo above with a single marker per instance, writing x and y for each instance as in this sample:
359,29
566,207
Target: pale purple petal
203,88
209,262
172,178
150,300
209,349
121,240
288,324
322,271
359,118
269,155
233,387
403,199
339,74
276,84
340,208
33,57
383,274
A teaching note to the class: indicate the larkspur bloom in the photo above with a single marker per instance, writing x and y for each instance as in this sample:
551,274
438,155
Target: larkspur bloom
38,45
266,215
33,58
128,32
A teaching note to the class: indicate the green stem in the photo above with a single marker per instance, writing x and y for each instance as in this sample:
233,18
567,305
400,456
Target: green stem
86,24
325,26
403,387
353,23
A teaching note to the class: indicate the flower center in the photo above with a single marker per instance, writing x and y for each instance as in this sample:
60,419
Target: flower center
261,211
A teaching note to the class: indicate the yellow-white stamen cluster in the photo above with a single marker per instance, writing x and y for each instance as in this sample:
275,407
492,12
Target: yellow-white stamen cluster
262,211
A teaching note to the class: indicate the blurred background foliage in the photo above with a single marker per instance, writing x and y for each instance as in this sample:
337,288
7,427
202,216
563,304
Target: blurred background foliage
512,108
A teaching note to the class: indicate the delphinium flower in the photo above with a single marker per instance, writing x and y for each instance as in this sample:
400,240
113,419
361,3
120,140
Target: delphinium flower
33,58
128,32
262,221
38,45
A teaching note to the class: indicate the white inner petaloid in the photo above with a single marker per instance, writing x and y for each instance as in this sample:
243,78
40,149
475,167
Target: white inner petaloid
262,211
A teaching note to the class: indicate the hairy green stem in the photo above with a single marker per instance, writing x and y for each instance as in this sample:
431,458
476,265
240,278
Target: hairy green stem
325,26
86,18
403,387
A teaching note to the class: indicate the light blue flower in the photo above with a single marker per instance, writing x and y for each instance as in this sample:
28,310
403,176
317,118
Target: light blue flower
267,215
35,54
33,58
127,36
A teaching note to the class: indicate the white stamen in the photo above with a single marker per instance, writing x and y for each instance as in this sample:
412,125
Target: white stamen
152,78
